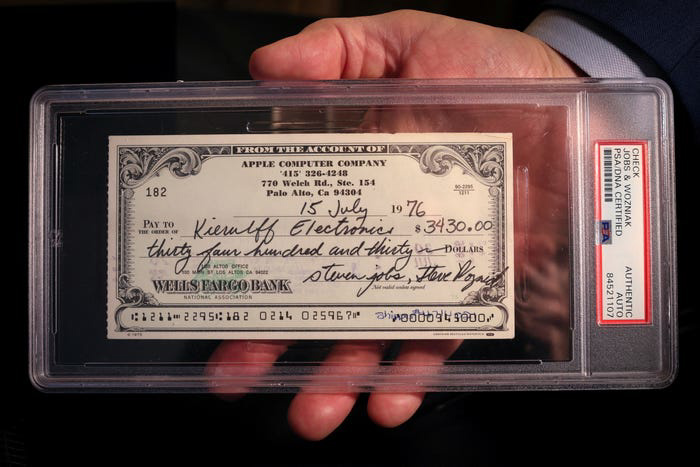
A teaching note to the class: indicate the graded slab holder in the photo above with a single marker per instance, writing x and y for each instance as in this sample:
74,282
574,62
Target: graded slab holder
530,222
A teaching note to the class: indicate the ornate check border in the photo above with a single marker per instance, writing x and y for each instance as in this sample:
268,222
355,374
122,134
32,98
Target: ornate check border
483,162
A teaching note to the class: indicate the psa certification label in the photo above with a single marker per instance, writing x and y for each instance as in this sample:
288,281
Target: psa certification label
622,218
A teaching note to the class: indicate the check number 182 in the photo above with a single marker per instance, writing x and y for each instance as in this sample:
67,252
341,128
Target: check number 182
153,192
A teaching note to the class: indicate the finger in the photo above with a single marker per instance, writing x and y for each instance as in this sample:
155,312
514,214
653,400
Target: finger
315,416
236,364
347,48
315,53
392,409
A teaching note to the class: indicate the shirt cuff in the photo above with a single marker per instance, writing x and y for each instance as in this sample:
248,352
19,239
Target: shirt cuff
599,52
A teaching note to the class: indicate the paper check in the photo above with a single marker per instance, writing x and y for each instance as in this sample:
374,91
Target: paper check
311,236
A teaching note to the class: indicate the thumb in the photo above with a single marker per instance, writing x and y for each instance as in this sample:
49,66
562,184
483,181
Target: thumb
340,48
318,52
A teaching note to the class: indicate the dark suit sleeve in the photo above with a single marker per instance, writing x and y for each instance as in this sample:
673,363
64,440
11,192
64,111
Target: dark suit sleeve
668,32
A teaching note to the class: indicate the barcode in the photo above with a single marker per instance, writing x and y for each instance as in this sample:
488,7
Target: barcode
607,176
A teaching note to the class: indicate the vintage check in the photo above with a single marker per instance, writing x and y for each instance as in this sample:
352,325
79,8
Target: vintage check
311,236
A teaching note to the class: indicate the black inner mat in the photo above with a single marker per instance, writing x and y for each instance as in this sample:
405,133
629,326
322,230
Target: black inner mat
81,325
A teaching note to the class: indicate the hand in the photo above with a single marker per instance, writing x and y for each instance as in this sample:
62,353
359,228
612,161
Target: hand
402,44
407,44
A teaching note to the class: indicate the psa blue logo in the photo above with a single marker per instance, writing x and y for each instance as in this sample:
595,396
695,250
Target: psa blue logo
604,232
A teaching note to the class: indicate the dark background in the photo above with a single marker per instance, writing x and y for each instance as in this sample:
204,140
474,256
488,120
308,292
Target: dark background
92,42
